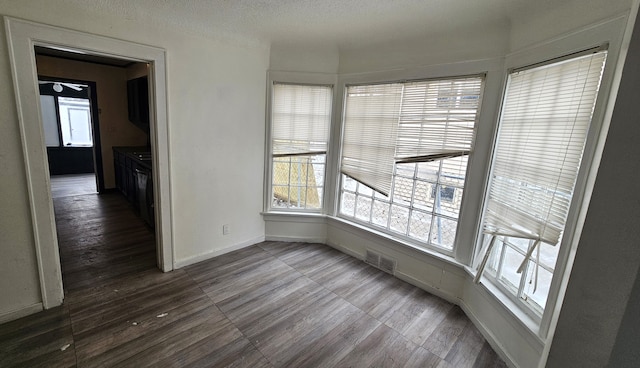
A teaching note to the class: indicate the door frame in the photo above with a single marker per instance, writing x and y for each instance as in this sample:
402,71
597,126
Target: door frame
22,37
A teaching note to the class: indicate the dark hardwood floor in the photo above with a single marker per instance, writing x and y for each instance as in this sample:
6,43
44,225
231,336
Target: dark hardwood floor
274,304
101,238
73,185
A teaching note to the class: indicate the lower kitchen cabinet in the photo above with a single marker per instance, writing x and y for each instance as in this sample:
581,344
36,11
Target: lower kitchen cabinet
134,179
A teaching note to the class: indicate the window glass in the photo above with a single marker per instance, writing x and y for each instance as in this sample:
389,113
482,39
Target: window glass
544,122
75,121
427,129
300,121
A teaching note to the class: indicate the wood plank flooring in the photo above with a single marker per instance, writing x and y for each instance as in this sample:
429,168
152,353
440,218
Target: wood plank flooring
100,238
72,185
274,304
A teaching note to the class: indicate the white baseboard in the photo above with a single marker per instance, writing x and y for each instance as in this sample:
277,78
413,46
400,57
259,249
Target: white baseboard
404,277
491,339
296,239
428,288
345,250
23,312
218,252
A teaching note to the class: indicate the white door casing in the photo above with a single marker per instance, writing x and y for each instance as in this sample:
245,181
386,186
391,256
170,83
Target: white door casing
22,36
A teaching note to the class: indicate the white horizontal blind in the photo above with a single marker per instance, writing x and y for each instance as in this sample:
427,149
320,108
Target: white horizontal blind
437,119
370,131
421,121
545,118
301,116
49,121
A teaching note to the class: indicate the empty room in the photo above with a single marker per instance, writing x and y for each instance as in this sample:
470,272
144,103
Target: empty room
319,183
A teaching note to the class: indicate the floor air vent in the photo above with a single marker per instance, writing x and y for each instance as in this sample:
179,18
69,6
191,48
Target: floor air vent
372,258
385,264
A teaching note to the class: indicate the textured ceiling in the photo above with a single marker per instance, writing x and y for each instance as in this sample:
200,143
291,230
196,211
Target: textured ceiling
343,23
340,22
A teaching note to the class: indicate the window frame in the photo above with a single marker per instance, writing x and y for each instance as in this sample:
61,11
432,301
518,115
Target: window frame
474,174
68,109
85,94
477,169
309,79
549,53
523,305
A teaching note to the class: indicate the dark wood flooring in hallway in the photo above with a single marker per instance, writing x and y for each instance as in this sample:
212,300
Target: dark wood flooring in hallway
101,238
273,304
72,185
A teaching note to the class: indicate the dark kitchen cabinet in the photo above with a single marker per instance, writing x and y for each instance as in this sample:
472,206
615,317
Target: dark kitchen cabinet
134,179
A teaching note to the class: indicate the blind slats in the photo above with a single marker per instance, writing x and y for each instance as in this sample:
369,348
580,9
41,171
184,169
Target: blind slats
301,116
388,124
545,119
437,119
370,132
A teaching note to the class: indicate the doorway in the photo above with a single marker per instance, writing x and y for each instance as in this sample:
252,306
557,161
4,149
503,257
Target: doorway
23,36
100,235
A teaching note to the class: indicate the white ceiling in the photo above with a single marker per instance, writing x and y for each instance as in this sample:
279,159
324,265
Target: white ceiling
343,23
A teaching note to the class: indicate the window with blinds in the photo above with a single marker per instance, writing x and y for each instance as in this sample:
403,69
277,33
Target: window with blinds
404,155
545,119
300,121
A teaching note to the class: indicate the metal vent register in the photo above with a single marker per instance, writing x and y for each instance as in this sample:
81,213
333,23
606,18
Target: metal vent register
386,264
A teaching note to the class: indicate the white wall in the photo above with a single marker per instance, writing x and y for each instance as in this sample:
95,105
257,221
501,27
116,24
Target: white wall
625,351
462,45
216,100
295,57
216,115
553,18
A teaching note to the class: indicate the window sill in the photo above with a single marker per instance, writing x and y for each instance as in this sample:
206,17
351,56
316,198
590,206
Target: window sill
294,216
353,227
405,246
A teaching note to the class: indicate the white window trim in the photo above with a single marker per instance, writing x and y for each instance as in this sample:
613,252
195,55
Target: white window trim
608,32
470,210
302,79
512,301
